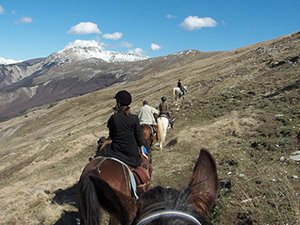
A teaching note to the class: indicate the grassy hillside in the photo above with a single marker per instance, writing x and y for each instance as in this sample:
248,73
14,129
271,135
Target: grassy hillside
242,105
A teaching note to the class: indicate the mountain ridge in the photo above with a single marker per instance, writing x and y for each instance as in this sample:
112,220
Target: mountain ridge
66,74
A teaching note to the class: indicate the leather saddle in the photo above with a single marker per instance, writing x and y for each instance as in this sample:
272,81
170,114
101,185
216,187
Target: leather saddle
142,173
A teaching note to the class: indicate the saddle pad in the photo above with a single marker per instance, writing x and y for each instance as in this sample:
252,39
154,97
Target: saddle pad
132,179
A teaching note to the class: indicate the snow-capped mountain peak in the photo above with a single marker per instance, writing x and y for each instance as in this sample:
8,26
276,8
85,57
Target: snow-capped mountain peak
94,50
8,61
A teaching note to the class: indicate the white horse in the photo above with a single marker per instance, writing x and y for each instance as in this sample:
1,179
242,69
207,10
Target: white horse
177,93
163,124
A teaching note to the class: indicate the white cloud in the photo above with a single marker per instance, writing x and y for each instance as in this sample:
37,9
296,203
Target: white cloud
85,28
169,16
119,45
114,36
155,47
24,20
84,43
126,44
195,23
2,10
137,51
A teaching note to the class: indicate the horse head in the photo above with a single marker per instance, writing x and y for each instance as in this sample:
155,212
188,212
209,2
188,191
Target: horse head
165,205
186,88
189,206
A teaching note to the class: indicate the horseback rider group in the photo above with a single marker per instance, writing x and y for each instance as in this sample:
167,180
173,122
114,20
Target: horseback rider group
126,142
125,132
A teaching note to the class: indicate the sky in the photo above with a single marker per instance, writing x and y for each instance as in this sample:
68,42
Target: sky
37,28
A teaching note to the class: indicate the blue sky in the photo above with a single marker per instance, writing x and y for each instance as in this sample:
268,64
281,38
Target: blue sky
37,28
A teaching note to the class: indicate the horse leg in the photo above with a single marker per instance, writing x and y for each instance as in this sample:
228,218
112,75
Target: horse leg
162,142
174,93
162,137
151,140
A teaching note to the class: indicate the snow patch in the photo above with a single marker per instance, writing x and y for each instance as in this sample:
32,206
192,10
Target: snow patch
8,61
87,52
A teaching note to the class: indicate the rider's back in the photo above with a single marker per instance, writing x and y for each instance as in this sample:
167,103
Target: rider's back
125,133
145,115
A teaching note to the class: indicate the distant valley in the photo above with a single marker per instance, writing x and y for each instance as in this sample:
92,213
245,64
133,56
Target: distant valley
76,71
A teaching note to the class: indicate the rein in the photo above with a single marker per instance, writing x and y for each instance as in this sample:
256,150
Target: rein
168,214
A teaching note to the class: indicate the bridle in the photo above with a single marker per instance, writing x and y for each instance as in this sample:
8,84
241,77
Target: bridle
168,214
159,212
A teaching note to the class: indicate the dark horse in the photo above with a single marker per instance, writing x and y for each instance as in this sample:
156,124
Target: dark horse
157,206
148,134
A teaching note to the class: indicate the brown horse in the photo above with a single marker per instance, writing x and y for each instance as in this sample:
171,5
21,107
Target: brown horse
116,174
147,134
158,205
113,174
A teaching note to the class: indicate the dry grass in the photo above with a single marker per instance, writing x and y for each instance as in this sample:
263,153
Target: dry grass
239,107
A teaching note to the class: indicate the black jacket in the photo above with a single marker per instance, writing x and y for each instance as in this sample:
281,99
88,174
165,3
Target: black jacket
126,135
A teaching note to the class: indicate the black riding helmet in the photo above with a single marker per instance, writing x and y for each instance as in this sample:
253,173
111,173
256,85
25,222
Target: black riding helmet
163,98
123,97
145,102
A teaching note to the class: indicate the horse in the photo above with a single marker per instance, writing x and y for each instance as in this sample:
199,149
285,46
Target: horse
148,134
161,205
163,123
177,93
116,175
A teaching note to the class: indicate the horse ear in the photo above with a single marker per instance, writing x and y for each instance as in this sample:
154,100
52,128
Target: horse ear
204,183
121,206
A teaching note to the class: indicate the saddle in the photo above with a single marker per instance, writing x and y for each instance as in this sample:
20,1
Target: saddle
142,174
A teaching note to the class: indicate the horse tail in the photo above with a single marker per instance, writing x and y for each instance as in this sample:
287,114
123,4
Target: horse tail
92,206
162,132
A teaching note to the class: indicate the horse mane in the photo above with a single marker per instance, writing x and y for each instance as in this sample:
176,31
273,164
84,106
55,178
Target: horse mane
169,199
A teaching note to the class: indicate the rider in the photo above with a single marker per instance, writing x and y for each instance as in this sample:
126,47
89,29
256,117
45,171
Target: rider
148,115
164,110
125,132
179,84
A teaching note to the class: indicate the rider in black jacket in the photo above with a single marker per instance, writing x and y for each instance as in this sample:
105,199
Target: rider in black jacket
125,132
